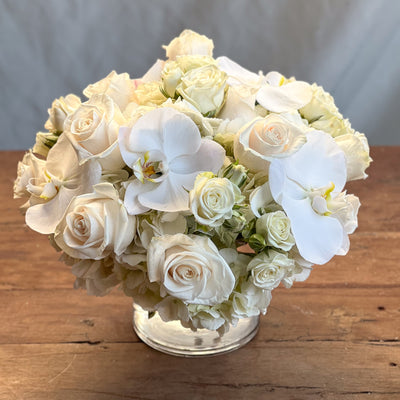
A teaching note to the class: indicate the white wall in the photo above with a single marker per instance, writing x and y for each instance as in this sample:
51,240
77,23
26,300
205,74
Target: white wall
49,48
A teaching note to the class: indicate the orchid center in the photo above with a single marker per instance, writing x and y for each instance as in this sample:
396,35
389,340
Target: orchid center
151,167
320,199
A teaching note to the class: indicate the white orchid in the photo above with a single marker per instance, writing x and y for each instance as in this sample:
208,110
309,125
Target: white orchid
272,91
307,185
166,153
63,178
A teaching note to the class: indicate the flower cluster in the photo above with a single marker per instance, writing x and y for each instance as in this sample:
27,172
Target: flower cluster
198,188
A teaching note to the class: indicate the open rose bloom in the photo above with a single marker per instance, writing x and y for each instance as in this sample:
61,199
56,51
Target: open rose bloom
198,188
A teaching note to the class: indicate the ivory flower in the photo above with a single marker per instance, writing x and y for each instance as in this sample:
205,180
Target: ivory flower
60,182
205,88
93,131
95,225
307,185
250,300
189,43
356,149
275,227
189,268
212,200
166,152
268,270
117,86
263,139
273,91
59,110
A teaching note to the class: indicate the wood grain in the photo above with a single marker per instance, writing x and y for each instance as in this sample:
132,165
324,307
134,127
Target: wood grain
335,336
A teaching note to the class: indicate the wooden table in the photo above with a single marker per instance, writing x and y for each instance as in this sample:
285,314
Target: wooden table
335,336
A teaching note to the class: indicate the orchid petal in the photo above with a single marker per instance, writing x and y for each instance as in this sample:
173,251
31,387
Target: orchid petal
154,73
237,75
44,218
318,167
166,196
209,157
179,129
131,201
318,237
291,96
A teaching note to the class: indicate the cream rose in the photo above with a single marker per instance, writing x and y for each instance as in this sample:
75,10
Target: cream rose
171,76
212,199
356,150
205,88
93,131
321,106
268,270
118,86
95,225
322,113
149,94
189,42
189,268
263,139
275,227
59,110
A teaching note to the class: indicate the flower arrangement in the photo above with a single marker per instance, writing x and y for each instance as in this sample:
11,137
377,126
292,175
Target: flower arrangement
198,188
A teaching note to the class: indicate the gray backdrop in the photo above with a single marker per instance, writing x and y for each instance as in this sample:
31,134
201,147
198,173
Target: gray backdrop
49,48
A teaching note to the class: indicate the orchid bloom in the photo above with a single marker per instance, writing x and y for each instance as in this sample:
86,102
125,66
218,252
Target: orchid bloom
62,179
272,91
308,186
166,152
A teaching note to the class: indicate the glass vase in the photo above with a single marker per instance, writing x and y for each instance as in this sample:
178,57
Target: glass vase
172,338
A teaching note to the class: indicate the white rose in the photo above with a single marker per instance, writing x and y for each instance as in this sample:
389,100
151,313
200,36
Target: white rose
268,270
205,88
59,110
31,179
187,43
95,225
173,71
356,150
159,224
321,106
93,131
149,94
212,199
335,125
275,136
344,207
322,113
275,227
189,268
118,86
171,76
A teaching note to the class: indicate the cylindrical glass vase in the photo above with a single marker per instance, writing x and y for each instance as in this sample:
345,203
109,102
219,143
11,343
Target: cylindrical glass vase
173,338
